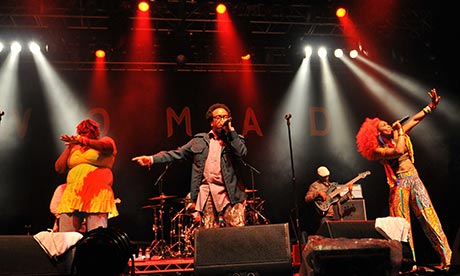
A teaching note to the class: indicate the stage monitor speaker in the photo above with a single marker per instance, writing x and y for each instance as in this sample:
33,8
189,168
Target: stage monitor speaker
354,209
22,255
350,257
349,229
248,250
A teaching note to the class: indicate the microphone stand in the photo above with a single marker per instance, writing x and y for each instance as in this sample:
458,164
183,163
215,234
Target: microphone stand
160,245
253,209
160,178
252,169
296,208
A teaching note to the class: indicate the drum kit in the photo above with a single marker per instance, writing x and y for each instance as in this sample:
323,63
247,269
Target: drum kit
183,223
254,209
181,227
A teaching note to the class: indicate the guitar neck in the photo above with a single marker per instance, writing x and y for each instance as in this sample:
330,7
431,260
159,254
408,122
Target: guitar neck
337,191
343,187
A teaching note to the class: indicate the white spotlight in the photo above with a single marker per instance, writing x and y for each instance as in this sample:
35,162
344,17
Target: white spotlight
308,51
1,47
338,53
16,47
353,53
322,52
34,47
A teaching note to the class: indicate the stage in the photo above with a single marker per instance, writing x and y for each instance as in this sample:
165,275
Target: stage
172,265
184,266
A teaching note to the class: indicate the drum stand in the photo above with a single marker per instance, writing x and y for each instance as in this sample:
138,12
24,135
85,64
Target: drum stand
179,245
183,246
254,212
189,250
159,247
254,204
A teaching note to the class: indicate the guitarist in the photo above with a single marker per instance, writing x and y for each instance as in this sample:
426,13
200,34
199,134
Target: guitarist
319,191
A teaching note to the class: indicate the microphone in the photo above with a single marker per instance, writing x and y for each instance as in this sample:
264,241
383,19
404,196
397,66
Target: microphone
288,116
403,119
227,121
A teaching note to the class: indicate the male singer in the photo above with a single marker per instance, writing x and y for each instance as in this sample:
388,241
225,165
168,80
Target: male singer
215,189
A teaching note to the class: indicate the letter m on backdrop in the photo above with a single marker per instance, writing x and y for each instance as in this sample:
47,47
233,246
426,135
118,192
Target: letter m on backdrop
184,116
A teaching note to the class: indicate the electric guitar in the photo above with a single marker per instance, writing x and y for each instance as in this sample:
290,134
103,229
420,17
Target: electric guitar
333,191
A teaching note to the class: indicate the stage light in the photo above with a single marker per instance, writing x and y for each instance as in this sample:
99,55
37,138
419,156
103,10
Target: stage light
1,47
16,47
99,53
308,51
181,59
246,57
341,12
221,8
338,53
34,47
322,52
353,53
143,6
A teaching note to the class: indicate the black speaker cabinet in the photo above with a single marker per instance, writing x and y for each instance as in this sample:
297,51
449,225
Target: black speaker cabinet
22,255
354,209
349,229
350,257
247,250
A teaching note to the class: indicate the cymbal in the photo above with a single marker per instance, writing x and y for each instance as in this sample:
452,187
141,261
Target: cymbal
253,200
161,197
250,191
182,200
156,206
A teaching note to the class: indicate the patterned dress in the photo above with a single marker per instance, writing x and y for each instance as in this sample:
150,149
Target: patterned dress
407,191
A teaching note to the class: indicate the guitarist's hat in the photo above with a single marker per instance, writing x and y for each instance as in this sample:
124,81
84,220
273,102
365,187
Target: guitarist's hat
323,171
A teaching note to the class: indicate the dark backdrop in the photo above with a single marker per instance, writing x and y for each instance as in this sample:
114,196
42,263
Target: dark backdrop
137,106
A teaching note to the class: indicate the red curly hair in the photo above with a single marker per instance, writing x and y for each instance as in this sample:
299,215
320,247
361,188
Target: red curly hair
366,138
90,127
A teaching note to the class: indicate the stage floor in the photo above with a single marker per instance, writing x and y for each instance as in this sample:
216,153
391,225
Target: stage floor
171,265
184,266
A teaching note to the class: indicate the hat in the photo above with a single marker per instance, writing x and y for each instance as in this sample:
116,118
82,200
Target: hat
323,171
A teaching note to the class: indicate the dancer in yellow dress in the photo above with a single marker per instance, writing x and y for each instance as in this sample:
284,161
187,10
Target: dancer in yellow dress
88,197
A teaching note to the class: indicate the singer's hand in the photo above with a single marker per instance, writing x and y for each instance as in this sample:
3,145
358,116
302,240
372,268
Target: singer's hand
434,99
396,125
143,160
227,125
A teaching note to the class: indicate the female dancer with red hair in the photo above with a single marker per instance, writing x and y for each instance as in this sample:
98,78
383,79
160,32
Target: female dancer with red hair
391,145
88,199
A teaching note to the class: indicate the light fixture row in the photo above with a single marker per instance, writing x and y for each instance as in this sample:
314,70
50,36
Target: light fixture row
144,7
322,52
16,46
